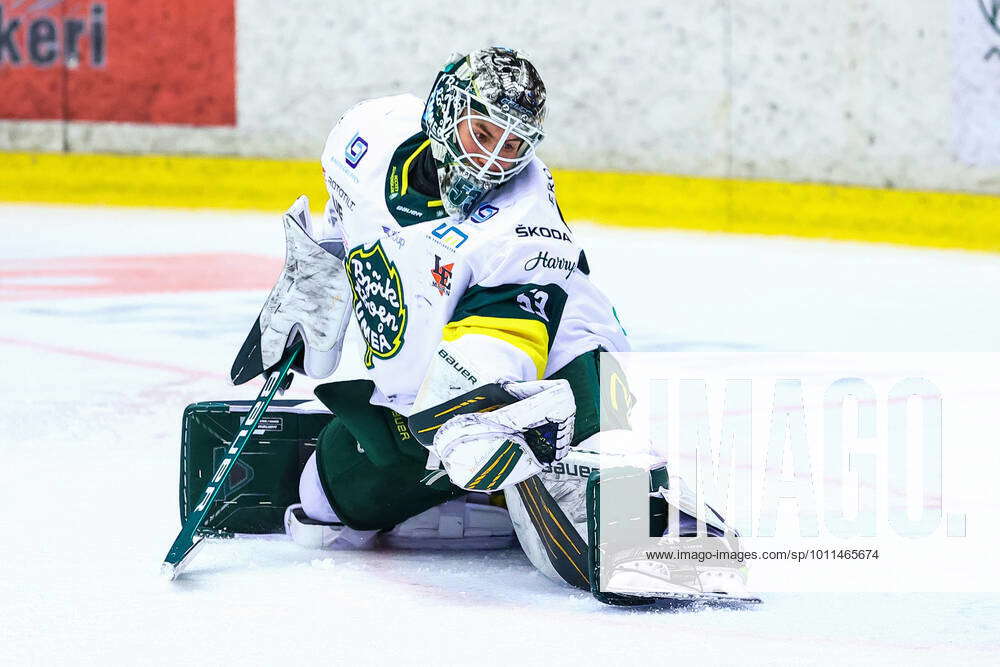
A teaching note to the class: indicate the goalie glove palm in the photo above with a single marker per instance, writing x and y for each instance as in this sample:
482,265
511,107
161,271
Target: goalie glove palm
309,301
489,451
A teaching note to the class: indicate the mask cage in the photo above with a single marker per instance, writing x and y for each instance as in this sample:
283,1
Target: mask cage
495,168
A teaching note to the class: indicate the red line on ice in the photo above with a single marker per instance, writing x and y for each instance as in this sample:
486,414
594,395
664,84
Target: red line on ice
78,277
109,358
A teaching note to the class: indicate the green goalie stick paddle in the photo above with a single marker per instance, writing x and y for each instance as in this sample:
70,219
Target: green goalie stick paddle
187,543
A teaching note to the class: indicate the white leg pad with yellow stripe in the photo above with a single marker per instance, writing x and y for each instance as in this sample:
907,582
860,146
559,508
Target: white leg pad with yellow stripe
566,482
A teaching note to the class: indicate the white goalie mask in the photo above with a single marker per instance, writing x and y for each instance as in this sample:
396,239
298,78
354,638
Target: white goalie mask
484,118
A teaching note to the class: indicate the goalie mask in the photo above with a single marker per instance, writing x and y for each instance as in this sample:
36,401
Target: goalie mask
484,118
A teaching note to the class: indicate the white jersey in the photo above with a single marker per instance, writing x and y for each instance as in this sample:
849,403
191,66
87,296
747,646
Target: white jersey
509,281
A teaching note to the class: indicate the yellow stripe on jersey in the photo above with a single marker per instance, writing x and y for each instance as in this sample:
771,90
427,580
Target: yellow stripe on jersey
529,336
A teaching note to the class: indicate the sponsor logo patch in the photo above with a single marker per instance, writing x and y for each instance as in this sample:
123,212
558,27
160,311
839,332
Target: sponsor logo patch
484,213
355,150
379,307
394,236
459,368
525,231
551,187
544,261
450,236
442,276
340,196
394,182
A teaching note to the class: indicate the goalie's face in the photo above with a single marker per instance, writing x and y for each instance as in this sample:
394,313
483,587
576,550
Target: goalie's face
489,143
487,146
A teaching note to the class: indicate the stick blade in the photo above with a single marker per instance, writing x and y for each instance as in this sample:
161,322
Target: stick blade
173,567
168,571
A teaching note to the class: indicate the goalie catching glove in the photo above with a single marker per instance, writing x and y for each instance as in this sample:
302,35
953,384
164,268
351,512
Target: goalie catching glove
310,301
524,426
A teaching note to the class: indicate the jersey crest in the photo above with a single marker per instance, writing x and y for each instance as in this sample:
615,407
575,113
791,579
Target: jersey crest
379,306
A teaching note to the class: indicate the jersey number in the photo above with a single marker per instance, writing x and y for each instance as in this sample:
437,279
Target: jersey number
533,301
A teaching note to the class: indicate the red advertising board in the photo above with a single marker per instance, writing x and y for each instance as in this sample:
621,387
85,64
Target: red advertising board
136,61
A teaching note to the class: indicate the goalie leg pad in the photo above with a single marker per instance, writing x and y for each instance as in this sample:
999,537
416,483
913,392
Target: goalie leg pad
559,540
637,579
462,523
456,524
680,524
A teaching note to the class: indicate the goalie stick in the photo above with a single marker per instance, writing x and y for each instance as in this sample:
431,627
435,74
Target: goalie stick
188,543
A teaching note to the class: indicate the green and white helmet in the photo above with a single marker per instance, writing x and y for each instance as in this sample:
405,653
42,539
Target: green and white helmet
497,86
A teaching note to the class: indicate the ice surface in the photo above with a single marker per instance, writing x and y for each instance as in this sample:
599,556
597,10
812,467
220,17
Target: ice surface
96,379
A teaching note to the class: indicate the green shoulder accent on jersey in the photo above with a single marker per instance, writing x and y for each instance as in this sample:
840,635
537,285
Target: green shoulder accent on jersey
379,305
406,205
541,303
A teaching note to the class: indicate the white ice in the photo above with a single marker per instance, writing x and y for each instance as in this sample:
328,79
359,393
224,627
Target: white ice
94,386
